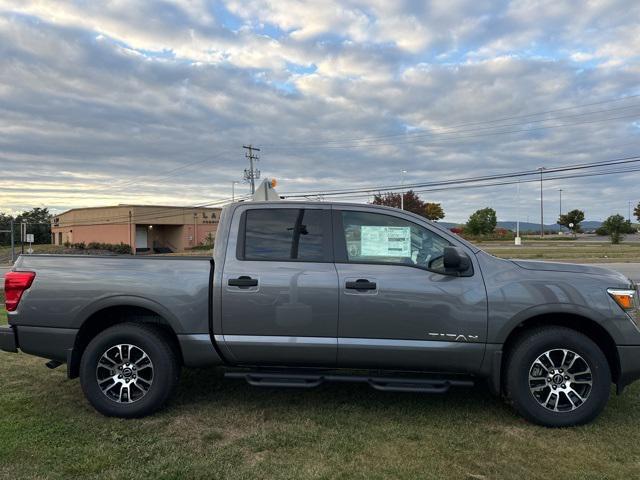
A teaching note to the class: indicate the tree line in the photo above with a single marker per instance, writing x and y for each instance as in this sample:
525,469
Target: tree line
484,221
38,220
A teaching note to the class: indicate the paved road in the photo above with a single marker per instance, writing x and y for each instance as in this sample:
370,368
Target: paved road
631,270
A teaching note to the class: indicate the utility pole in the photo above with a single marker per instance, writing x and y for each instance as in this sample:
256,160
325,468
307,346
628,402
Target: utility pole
251,174
233,191
629,211
541,205
402,172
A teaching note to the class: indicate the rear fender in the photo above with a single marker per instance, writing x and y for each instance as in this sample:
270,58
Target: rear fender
127,301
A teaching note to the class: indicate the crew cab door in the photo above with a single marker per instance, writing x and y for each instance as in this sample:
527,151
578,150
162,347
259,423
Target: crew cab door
280,287
399,308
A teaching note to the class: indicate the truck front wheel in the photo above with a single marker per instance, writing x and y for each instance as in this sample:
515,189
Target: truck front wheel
129,370
557,377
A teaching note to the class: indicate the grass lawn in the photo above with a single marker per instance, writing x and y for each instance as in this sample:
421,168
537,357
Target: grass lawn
581,252
218,428
5,252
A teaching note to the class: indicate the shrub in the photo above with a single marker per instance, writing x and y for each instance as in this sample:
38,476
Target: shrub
615,226
481,222
121,248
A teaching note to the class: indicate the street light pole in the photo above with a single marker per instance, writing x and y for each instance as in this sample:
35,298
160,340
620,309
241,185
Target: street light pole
560,201
541,205
402,172
518,240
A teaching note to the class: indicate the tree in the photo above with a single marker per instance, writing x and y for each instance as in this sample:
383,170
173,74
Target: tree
388,199
482,222
39,223
615,225
636,211
573,217
433,211
628,227
412,202
5,224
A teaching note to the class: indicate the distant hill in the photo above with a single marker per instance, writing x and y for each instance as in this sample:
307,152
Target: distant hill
532,227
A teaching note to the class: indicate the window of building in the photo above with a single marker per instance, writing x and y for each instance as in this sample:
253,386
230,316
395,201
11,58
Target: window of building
285,234
59,238
379,238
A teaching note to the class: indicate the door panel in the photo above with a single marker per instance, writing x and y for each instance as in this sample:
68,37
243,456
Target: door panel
281,312
418,316
414,319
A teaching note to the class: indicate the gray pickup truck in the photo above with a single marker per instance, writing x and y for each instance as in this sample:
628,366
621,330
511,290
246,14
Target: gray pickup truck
301,293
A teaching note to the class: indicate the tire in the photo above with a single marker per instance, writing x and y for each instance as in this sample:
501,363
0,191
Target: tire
129,370
537,371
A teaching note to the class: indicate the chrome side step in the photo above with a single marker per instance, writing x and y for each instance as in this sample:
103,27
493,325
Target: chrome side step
384,384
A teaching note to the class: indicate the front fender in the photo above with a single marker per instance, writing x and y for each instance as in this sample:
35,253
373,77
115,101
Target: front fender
560,309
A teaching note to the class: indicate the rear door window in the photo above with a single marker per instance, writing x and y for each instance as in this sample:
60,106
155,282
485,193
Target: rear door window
285,234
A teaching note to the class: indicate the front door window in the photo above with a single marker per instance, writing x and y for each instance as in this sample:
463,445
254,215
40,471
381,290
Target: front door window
378,238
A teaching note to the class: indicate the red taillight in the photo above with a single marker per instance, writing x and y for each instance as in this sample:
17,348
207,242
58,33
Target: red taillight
15,283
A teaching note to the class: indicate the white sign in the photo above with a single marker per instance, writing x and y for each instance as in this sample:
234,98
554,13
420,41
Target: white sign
385,241
29,238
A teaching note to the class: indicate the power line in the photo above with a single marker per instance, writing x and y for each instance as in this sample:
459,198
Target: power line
510,182
410,136
421,141
521,173
166,173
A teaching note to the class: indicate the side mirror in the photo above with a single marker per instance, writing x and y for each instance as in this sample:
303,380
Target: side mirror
455,259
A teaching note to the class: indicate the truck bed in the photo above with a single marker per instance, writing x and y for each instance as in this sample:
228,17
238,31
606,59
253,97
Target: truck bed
70,288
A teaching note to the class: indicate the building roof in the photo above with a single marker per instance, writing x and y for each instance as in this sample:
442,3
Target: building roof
129,205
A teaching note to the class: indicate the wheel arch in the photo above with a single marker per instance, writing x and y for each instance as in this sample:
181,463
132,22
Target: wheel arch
585,325
114,314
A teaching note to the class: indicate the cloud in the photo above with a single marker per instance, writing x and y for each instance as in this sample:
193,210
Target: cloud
150,102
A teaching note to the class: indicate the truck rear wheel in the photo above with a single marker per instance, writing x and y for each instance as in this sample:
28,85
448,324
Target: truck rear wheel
129,370
557,377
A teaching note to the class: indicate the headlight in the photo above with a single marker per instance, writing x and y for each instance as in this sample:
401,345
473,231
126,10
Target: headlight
627,299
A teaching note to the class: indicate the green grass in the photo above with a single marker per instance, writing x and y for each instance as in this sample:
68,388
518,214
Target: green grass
568,251
5,252
225,429
3,312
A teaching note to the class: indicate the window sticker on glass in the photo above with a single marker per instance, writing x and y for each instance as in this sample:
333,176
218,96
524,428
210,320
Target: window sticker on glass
385,241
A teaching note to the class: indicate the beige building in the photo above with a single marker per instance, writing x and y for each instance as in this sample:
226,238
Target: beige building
146,228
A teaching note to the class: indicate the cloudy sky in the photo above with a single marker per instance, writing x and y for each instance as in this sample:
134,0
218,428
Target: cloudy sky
114,101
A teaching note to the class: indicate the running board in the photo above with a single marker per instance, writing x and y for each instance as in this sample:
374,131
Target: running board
384,384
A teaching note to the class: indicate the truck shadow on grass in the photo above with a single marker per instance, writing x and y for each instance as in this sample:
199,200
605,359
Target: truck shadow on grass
353,403
201,386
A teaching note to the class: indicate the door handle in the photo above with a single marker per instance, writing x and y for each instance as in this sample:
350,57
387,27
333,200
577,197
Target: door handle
243,281
361,284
